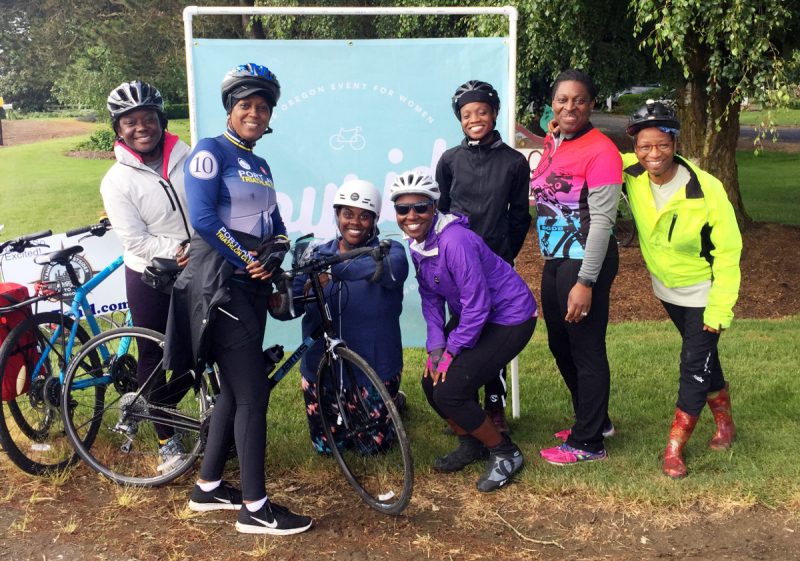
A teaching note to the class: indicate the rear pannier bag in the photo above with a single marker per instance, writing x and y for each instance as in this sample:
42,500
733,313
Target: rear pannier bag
16,372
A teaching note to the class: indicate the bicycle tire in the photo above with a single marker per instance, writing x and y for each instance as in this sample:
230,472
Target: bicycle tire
625,225
384,478
126,449
31,424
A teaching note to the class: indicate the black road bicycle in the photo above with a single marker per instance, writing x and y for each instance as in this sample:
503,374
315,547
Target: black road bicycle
354,402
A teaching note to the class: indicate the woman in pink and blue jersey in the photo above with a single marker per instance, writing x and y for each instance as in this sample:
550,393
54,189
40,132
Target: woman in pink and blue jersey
577,185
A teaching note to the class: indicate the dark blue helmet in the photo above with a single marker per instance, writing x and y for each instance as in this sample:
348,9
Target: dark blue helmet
248,79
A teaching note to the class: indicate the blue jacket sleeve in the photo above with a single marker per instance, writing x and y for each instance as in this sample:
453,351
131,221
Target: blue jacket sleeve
203,183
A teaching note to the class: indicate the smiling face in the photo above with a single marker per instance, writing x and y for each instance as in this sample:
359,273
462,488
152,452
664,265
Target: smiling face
414,224
249,117
655,150
140,130
477,120
572,106
355,224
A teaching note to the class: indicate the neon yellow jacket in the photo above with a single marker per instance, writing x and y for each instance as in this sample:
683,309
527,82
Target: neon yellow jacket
693,238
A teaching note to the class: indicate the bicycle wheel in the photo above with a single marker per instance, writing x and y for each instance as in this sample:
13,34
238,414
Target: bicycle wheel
371,446
132,421
31,424
625,226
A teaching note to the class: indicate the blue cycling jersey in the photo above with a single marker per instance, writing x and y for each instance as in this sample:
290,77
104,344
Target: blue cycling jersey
230,190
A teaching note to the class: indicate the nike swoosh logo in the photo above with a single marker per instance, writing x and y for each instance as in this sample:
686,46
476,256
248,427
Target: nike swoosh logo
225,501
273,524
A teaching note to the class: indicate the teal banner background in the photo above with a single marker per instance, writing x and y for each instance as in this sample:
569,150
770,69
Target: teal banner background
369,109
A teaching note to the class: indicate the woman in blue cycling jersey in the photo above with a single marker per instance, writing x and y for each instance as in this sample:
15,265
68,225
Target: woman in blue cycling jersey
225,291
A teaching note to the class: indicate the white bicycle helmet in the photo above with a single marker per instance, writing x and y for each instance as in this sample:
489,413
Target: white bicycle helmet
360,194
414,183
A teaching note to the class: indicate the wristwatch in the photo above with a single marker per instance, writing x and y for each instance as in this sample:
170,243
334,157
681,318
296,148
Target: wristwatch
586,282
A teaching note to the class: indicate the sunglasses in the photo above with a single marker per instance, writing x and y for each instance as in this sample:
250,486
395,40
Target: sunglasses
419,208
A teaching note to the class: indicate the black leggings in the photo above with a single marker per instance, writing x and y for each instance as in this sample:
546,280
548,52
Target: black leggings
454,398
150,308
240,411
701,371
580,348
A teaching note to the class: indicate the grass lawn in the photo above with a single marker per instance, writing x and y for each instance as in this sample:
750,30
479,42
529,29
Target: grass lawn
760,361
769,186
781,117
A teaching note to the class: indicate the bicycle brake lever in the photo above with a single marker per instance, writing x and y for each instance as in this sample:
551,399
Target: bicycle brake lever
289,282
377,254
385,246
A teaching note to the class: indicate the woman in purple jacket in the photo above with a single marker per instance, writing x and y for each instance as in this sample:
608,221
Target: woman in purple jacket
493,318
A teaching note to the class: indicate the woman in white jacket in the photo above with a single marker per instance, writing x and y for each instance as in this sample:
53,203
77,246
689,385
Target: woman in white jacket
145,201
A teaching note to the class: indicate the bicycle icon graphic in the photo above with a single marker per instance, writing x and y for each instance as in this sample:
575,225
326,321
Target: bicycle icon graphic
351,137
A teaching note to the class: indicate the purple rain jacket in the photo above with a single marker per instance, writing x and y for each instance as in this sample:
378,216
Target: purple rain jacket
455,266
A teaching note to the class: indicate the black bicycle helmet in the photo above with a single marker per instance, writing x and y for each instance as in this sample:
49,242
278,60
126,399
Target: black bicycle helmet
475,90
248,79
652,114
130,96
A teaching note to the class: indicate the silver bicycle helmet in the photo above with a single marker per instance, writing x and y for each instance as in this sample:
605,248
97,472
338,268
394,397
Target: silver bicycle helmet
475,90
246,80
360,194
130,96
414,183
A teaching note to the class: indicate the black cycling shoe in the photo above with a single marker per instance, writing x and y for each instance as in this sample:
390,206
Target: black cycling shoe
505,460
272,519
224,497
469,450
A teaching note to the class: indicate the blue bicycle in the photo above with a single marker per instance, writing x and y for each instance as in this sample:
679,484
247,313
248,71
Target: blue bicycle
35,356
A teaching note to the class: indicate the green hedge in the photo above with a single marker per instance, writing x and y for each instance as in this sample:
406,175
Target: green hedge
177,110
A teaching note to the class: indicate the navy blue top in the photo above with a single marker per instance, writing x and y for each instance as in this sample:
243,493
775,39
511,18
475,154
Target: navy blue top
366,315
229,190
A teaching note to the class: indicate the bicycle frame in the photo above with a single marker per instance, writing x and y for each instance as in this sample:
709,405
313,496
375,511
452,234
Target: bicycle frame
79,309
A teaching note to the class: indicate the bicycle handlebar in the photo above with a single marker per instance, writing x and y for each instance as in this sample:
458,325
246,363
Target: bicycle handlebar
19,244
320,264
98,229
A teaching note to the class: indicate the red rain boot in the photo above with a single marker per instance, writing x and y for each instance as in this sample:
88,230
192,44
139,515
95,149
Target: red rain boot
720,405
682,426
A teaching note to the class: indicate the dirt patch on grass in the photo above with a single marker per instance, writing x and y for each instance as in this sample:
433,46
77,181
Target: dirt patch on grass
86,518
27,131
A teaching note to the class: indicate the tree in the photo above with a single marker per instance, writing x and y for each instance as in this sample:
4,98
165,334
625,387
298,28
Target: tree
724,51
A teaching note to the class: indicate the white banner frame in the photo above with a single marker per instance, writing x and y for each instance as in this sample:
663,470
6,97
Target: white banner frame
510,12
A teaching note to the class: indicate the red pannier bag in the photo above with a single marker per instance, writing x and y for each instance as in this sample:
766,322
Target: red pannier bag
16,374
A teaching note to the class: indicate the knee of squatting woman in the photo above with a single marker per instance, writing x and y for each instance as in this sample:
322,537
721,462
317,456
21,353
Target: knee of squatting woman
496,317
224,293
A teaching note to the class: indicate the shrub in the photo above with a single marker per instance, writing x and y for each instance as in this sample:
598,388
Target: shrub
102,140
177,110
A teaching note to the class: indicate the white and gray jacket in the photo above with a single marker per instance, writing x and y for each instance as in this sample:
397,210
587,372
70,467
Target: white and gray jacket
147,210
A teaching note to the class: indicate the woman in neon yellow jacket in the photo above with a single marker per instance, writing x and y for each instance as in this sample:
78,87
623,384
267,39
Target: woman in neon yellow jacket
691,245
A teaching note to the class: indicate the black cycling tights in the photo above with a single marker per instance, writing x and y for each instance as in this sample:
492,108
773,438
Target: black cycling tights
455,397
240,411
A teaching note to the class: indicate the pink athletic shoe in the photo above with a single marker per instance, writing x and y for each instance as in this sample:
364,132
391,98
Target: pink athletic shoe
565,454
563,435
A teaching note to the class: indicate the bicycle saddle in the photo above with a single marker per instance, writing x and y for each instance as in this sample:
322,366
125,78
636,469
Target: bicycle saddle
60,257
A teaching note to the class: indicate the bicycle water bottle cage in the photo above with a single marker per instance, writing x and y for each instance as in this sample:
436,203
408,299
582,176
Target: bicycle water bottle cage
60,257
